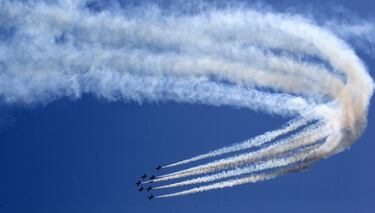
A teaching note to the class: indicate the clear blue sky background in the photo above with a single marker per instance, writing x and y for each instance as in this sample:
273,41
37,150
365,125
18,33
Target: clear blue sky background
85,156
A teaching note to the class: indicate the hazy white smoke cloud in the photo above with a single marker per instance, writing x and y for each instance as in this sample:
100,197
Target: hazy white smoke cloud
276,63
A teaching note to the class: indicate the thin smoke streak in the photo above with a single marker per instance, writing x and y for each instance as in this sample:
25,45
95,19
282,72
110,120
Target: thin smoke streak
308,136
253,142
239,181
256,167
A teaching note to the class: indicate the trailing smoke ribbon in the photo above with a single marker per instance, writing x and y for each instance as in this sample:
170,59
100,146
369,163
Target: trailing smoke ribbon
266,61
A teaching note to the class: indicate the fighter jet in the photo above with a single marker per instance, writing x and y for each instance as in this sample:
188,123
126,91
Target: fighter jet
150,197
144,176
138,183
140,189
149,188
158,168
152,177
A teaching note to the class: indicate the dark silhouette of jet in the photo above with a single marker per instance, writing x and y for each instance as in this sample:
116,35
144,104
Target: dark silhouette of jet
140,189
158,168
149,188
144,176
138,183
152,177
150,197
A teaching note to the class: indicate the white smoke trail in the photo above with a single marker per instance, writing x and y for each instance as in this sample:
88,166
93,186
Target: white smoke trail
238,181
253,142
117,50
259,166
276,63
309,135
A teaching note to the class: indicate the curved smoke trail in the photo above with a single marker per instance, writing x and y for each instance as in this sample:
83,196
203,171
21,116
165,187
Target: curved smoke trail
253,142
309,136
255,167
276,63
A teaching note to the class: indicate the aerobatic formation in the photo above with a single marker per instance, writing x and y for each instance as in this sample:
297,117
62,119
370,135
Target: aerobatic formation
277,63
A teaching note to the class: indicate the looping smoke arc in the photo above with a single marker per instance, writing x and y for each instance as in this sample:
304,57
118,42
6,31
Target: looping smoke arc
266,61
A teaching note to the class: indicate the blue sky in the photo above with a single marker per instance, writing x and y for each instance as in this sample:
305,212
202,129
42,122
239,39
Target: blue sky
85,155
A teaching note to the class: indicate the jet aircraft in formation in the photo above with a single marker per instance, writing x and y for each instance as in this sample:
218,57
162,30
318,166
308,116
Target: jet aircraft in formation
149,188
139,183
